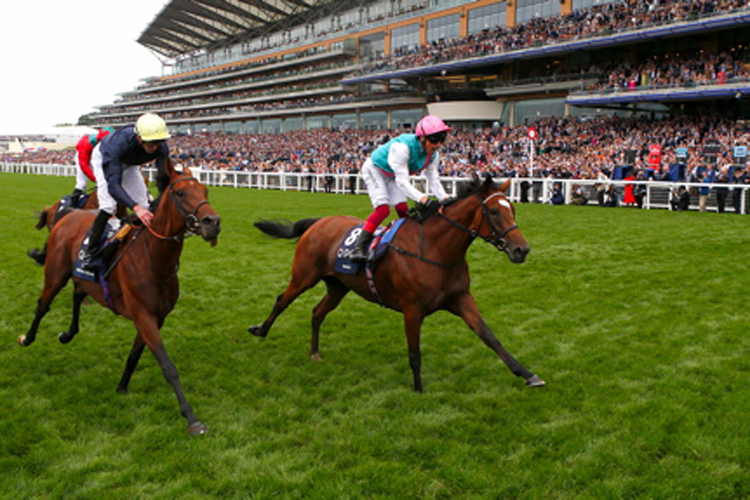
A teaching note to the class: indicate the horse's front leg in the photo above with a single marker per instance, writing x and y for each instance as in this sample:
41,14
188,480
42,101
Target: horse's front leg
149,332
53,283
413,318
466,308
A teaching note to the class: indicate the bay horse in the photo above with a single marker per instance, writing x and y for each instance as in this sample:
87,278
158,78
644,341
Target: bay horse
48,216
425,269
143,283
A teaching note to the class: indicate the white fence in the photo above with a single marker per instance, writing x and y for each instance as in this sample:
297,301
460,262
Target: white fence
658,193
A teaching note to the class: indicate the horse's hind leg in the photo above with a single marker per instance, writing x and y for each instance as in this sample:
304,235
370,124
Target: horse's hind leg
466,308
335,292
301,281
133,358
68,335
52,286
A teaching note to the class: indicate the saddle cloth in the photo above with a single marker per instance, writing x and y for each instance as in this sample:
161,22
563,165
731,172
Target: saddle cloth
378,247
112,236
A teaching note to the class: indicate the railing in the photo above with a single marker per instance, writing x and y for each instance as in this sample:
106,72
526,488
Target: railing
658,193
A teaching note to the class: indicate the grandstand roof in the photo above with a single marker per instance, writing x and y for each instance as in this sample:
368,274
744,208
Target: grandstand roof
187,26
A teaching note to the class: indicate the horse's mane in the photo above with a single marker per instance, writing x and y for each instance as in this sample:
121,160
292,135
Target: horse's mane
468,188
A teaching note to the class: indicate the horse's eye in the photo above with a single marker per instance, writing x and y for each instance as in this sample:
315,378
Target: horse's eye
494,211
179,193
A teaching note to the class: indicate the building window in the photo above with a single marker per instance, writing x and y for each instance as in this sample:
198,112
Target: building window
487,18
443,28
529,9
405,37
587,4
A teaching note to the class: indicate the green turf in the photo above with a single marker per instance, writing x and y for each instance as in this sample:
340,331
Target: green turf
636,319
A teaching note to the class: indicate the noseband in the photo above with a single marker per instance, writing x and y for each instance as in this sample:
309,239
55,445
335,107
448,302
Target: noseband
192,225
498,237
191,219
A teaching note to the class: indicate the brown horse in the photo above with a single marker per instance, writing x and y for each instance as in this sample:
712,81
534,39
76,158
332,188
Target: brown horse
424,271
49,216
143,284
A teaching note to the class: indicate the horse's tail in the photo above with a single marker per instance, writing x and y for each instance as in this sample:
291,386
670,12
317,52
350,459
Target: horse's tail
42,218
285,229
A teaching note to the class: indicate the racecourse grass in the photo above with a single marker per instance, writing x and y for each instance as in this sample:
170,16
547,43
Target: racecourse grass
636,319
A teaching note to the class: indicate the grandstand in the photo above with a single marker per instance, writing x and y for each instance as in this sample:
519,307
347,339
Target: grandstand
273,66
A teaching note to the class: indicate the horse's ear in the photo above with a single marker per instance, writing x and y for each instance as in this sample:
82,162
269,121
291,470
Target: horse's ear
187,172
505,186
169,167
488,186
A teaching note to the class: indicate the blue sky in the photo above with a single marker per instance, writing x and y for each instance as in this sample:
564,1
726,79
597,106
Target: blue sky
62,58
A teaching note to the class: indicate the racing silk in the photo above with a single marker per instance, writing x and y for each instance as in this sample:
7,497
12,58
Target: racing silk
417,159
84,148
121,150
404,156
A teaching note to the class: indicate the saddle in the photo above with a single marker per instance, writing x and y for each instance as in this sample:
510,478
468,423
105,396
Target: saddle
377,250
113,235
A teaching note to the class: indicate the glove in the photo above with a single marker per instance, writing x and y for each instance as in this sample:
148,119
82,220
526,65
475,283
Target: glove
421,211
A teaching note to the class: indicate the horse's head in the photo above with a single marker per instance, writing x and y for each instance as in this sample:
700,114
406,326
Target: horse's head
500,227
190,198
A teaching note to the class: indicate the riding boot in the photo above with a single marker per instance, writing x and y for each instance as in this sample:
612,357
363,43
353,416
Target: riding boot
361,247
75,198
94,238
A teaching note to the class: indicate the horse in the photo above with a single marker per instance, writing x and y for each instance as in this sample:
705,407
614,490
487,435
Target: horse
143,283
48,216
424,271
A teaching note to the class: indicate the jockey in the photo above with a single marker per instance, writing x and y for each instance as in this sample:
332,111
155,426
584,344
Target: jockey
116,162
386,175
84,148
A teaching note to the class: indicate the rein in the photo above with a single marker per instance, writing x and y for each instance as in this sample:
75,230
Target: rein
191,220
497,239
191,227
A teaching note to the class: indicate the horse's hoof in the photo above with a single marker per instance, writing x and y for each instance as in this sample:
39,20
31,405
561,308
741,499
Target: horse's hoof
22,340
316,356
256,330
535,381
64,337
197,429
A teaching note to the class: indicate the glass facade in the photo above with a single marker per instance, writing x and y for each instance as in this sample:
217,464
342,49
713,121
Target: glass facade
318,121
293,123
487,17
586,4
534,109
406,118
373,120
272,126
529,9
405,36
443,28
346,121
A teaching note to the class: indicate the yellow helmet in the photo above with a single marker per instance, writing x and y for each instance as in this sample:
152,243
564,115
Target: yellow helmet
151,127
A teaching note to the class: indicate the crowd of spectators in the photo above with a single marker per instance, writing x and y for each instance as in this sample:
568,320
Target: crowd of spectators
595,21
566,148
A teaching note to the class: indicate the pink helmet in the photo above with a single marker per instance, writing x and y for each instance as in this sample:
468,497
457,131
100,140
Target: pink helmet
431,124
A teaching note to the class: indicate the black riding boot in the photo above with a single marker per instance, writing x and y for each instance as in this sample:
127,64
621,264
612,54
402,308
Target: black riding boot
362,247
95,236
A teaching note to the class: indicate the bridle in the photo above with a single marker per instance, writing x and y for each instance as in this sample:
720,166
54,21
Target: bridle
497,238
192,225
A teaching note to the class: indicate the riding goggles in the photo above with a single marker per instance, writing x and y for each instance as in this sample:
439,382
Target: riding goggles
438,138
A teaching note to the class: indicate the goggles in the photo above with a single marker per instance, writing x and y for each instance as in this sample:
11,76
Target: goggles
438,138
